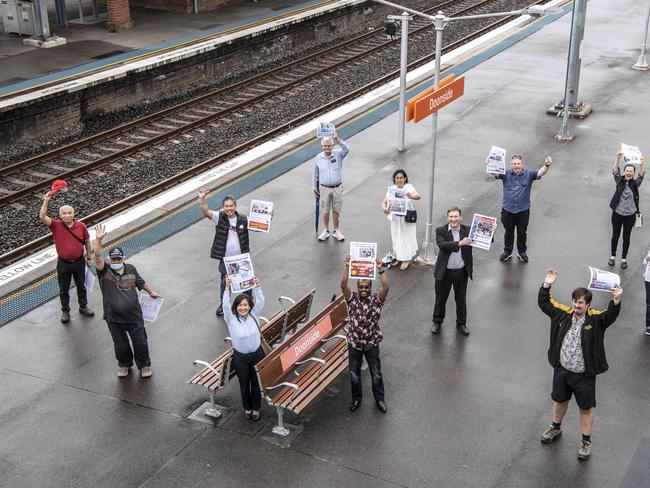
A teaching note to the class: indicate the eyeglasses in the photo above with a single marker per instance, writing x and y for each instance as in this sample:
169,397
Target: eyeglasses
364,287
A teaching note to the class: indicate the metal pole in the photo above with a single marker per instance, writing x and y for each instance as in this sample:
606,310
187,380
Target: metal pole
573,70
402,80
41,20
642,62
428,255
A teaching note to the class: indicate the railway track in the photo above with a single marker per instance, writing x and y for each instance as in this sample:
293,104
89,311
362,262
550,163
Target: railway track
26,178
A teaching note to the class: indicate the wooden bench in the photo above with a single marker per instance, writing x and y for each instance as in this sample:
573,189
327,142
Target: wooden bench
216,374
301,367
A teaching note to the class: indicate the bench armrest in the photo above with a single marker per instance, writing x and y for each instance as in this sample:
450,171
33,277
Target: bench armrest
317,360
290,300
228,341
204,365
284,383
337,336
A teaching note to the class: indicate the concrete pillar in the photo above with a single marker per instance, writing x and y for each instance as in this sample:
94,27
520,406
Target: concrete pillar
118,15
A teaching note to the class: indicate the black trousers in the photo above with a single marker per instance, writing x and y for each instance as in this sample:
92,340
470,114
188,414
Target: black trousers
456,278
511,221
244,365
123,352
355,357
627,222
65,271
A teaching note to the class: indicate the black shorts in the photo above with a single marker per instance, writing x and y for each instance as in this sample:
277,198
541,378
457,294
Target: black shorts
582,386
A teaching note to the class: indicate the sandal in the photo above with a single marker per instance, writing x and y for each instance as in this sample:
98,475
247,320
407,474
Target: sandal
405,264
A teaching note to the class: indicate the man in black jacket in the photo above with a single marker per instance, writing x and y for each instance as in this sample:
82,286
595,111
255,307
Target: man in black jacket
577,354
453,267
230,238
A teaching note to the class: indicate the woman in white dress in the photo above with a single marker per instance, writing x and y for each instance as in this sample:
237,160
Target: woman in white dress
403,234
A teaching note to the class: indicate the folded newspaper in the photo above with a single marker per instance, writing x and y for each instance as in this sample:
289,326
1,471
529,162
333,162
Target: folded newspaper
240,271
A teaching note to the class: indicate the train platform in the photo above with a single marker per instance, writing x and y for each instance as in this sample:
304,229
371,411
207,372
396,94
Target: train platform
93,55
461,411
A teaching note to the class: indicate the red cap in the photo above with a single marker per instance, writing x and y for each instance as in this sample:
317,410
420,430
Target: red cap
58,185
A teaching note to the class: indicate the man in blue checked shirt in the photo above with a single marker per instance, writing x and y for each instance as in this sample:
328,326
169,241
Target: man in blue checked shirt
517,183
327,183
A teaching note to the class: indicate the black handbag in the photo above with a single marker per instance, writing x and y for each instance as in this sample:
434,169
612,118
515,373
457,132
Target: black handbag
411,216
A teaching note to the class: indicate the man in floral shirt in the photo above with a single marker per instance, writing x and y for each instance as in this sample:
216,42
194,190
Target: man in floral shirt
364,335
577,354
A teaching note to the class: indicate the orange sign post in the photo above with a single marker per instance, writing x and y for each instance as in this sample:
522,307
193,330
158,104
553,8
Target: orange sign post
434,100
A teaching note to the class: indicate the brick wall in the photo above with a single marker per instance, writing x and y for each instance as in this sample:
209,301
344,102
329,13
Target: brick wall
118,15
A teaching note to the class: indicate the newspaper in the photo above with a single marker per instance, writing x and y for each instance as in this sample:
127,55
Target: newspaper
89,281
362,260
603,280
631,154
496,161
397,201
150,306
259,217
240,271
482,231
325,129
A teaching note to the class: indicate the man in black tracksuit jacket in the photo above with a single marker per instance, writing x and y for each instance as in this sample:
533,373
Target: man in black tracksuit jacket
577,354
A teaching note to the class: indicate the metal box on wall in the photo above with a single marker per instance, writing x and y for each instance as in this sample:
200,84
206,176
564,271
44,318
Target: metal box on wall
9,15
18,17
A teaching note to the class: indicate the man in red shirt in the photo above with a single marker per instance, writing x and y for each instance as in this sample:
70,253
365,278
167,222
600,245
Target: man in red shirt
70,239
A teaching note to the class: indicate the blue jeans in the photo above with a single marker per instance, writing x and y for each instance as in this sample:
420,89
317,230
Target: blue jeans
123,352
374,365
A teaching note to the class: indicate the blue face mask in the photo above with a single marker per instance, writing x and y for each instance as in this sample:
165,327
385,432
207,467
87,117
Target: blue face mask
116,266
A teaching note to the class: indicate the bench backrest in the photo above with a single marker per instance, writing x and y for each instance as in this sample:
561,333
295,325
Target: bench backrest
272,330
298,312
303,344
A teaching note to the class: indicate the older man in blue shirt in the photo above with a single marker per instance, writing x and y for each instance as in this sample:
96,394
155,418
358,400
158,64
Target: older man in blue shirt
517,183
327,183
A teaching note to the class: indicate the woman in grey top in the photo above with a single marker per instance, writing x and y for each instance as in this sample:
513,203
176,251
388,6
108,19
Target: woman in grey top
624,205
243,325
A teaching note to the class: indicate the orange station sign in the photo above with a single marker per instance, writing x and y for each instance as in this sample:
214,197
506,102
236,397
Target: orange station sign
432,100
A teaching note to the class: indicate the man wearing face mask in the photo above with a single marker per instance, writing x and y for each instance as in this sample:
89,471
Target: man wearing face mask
230,238
577,354
327,183
517,183
119,282
71,238
364,334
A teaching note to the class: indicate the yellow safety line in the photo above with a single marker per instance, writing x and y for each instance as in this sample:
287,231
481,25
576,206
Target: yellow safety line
166,49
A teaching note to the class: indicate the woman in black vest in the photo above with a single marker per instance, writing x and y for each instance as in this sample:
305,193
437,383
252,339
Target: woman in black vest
624,205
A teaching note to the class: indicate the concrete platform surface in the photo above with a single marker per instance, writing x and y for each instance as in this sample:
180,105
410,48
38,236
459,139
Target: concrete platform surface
463,412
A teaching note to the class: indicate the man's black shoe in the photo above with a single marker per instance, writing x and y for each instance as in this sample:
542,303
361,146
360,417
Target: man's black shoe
381,405
65,317
505,255
523,257
354,404
220,310
436,328
463,329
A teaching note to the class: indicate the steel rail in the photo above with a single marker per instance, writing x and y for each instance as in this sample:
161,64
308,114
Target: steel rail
115,155
128,202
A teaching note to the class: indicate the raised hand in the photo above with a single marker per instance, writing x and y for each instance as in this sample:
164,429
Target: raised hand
617,291
100,231
551,276
203,191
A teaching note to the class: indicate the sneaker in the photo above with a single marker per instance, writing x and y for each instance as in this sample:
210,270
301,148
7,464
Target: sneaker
550,435
146,372
220,310
611,262
65,317
505,255
584,453
122,372
623,264
338,236
87,311
523,257
324,236
647,331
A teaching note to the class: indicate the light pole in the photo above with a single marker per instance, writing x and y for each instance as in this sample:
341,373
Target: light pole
440,21
404,18
642,62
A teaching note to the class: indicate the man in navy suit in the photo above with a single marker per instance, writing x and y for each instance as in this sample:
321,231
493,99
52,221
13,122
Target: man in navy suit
453,267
